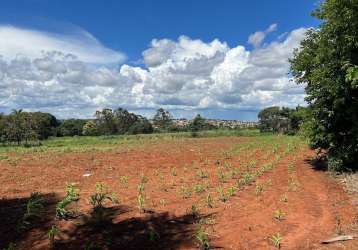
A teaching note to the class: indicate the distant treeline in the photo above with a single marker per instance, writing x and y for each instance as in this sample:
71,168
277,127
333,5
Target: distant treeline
282,120
24,127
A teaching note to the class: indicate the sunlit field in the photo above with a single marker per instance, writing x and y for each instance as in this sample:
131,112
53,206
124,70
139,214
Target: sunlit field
168,191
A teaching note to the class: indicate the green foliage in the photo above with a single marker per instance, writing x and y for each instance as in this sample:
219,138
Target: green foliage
198,123
203,239
120,121
34,206
279,215
71,127
52,233
141,194
90,128
232,191
72,195
222,196
34,209
202,174
163,120
326,63
209,201
276,240
194,211
141,201
97,201
19,126
281,120
199,188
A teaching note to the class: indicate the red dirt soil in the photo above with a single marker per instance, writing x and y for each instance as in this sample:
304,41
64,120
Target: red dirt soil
314,204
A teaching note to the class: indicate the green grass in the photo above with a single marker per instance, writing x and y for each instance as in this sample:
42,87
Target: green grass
86,143
107,143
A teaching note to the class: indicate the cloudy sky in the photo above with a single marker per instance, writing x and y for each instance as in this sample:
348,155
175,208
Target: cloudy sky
223,59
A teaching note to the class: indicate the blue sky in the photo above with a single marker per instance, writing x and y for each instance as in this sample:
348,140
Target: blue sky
146,54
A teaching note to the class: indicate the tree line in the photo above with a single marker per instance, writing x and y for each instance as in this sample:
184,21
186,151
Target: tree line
282,119
20,127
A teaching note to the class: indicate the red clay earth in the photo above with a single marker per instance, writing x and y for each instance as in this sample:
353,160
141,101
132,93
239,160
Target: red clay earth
315,206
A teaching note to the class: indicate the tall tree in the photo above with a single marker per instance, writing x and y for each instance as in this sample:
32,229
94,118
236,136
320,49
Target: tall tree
162,119
19,126
106,121
327,63
124,120
199,123
71,127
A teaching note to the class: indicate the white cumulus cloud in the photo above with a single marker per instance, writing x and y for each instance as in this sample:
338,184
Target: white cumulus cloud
184,74
30,43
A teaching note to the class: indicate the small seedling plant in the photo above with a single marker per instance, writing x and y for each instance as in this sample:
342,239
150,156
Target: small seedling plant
221,176
279,215
203,239
98,199
72,195
194,211
232,191
222,196
202,174
276,240
52,233
248,178
34,206
141,197
34,209
209,201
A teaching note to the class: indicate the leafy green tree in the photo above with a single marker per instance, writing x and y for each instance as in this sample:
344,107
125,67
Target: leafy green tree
120,121
326,63
296,119
90,128
141,126
281,120
124,120
71,127
270,118
274,119
163,119
44,124
198,123
19,126
106,121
